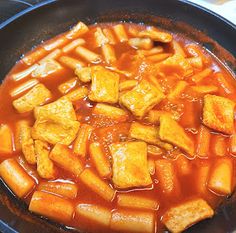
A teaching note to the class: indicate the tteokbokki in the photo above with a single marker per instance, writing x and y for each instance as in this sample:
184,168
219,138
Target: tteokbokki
119,127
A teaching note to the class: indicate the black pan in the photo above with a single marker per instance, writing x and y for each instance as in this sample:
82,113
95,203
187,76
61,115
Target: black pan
27,29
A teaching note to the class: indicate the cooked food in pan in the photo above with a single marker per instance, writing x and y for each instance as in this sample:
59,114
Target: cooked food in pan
119,128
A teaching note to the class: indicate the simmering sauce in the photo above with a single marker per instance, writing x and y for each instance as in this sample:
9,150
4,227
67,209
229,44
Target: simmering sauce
167,151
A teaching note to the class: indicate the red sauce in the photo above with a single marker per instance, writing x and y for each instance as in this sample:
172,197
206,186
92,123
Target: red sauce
107,131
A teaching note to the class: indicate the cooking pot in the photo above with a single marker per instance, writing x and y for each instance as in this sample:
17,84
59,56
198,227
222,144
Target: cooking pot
45,20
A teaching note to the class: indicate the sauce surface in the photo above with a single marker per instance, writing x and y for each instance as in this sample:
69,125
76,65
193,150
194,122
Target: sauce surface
132,62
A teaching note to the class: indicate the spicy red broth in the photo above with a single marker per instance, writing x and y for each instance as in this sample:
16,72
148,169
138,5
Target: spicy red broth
119,128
